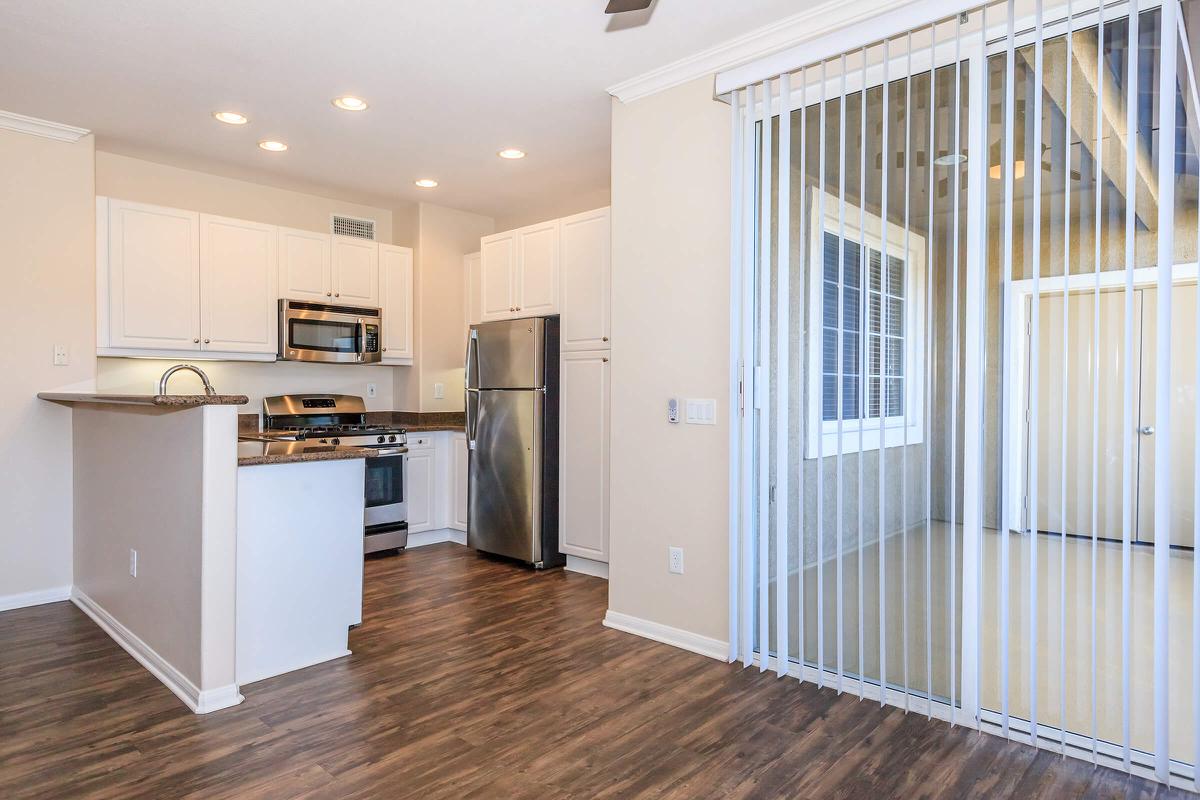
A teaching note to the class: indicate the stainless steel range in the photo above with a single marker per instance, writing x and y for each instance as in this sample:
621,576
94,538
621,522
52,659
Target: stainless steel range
341,419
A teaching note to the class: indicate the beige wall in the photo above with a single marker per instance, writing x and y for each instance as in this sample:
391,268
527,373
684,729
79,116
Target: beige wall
47,238
255,380
670,295
149,182
444,236
583,201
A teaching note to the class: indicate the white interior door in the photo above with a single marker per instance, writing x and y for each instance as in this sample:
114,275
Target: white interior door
1183,416
1086,364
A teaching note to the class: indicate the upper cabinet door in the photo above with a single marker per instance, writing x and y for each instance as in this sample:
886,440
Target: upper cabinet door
586,280
355,271
238,277
473,277
304,265
498,268
153,279
396,277
537,271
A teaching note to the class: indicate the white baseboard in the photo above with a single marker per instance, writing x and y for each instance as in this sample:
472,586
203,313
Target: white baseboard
26,599
244,680
586,566
676,637
423,538
201,702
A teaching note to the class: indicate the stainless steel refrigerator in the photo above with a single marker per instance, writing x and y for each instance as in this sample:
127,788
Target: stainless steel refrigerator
512,439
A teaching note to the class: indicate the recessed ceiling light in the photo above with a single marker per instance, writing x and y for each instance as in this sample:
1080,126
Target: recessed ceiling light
950,160
230,117
272,145
426,183
349,103
511,153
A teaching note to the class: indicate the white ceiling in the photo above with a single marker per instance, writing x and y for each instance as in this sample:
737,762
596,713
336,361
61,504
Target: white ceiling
449,81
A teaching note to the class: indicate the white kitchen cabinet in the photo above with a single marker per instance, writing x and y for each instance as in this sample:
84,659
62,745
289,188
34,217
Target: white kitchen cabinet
585,278
305,266
519,273
537,270
498,276
396,289
420,483
149,279
458,480
355,271
472,279
584,454
237,285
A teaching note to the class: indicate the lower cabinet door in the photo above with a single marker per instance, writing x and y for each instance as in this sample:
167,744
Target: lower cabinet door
583,470
419,490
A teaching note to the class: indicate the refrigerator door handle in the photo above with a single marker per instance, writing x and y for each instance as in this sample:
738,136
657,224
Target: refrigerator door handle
472,397
472,359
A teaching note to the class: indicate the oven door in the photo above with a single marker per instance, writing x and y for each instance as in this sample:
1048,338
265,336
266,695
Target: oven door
385,489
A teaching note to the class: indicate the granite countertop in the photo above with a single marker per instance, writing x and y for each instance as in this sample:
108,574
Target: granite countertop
162,400
431,427
255,452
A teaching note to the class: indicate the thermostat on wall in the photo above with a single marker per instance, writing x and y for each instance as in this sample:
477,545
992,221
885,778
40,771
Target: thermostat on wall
673,410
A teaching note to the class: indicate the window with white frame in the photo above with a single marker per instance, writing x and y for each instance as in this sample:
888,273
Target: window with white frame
874,318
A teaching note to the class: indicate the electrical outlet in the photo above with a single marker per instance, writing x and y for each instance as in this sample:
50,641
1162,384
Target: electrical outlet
60,355
133,563
439,391
372,390
676,554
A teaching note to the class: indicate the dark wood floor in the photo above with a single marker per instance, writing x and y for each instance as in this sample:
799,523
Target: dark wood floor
476,679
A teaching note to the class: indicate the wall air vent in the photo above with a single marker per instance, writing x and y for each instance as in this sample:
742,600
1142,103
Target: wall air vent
357,227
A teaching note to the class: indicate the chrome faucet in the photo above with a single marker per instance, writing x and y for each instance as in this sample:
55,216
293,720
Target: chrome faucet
162,382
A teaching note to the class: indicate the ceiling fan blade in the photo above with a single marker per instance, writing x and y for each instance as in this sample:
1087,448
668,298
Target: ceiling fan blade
621,6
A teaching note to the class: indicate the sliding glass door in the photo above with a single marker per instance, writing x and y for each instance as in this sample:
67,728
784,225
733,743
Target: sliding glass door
965,365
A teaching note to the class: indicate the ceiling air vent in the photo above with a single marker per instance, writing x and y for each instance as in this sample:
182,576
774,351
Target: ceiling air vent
353,226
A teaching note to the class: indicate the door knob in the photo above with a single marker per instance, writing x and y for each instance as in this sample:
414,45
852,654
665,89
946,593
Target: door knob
1146,430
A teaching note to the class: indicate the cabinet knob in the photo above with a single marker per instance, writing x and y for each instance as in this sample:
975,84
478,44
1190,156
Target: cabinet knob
604,338
605,360
195,341
329,294
385,349
206,341
337,294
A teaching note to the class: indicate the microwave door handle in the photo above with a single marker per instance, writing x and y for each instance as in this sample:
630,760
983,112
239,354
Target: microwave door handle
362,339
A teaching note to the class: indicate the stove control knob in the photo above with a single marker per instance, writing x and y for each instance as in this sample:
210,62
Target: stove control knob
380,440
324,441
335,441
392,438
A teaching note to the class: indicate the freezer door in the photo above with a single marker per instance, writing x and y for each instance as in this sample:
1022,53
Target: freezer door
508,354
504,478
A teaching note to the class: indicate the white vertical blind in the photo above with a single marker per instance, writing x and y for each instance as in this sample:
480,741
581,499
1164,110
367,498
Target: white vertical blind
761,391
783,484
988,305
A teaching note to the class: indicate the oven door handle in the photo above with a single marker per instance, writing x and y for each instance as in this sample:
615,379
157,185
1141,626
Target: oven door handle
390,451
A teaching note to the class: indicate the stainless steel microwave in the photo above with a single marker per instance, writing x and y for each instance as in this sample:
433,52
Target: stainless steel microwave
330,333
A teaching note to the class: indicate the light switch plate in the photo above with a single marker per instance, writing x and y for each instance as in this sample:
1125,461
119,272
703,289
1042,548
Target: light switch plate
439,391
701,412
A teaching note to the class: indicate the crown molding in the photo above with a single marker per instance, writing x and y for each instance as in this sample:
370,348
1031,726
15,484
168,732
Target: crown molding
817,21
41,127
